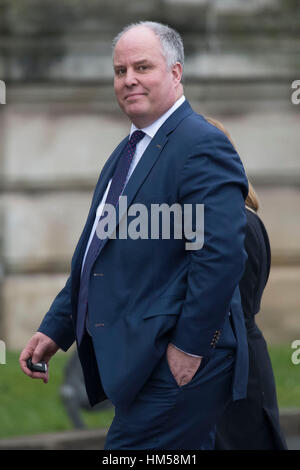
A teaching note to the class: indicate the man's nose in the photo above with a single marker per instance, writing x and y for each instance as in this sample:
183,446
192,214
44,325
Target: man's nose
130,78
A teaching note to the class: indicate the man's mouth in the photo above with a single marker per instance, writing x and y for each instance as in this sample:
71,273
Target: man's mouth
134,95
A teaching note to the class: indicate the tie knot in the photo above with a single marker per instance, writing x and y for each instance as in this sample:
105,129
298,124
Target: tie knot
136,137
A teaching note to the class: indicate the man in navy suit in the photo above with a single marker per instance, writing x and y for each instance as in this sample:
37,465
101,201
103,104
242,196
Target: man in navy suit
159,327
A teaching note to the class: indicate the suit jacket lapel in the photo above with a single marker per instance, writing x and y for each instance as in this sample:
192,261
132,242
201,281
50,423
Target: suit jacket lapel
153,151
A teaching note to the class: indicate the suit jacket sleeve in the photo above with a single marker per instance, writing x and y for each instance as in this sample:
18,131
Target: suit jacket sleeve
212,175
57,323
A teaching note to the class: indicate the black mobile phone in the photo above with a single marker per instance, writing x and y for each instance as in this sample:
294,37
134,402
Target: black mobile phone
38,367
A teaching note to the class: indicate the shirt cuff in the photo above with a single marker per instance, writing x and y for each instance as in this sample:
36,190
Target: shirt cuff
193,355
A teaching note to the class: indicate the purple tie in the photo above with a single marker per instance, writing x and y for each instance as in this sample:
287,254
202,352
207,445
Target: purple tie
115,191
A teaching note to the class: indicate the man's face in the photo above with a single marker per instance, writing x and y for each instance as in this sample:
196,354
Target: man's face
144,87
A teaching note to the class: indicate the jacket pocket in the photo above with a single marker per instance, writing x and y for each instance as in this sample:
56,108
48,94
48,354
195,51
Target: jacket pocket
166,305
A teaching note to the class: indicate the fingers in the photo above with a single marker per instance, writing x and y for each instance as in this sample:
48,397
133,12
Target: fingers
182,365
26,354
39,348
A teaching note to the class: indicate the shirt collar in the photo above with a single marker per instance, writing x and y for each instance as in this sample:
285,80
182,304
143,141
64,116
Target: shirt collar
153,128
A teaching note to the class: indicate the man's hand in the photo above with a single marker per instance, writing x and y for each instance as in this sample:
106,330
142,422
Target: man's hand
182,365
40,348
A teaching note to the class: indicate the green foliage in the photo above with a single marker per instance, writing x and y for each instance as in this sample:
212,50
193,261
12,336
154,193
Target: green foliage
31,407
287,376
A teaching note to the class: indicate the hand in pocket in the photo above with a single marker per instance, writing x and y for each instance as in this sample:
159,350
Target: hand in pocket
182,365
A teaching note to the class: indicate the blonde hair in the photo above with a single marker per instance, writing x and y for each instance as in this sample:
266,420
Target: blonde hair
251,199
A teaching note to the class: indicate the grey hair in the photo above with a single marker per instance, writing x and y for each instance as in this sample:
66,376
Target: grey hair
170,40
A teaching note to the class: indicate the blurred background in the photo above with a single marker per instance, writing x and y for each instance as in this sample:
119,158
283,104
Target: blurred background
61,122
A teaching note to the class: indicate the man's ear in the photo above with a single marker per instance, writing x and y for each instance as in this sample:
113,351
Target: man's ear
177,72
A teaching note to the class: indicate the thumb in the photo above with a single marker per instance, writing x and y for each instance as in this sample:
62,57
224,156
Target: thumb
38,353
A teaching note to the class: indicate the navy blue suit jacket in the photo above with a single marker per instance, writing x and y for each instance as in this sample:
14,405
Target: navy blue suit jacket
146,293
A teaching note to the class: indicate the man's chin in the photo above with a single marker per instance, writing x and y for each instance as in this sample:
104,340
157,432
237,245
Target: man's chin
134,112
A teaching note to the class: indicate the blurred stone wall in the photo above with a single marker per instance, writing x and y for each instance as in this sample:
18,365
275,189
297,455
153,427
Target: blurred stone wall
61,123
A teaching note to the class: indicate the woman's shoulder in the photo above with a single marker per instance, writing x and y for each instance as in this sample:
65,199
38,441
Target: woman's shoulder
256,234
253,229
255,223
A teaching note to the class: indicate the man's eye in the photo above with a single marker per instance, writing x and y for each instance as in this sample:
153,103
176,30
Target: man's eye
142,67
120,71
